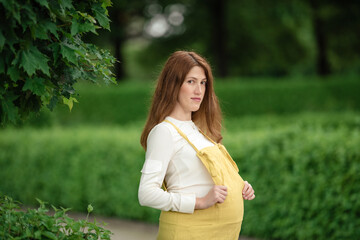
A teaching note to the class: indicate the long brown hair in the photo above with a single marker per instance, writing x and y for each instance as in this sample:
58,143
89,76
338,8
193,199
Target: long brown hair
207,118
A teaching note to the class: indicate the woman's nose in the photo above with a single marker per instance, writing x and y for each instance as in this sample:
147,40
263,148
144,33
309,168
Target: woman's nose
198,89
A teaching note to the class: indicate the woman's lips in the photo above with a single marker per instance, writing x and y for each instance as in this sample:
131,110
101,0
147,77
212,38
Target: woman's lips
196,99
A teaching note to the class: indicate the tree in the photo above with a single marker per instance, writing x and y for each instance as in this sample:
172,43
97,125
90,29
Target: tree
42,54
121,14
219,34
322,59
336,34
237,37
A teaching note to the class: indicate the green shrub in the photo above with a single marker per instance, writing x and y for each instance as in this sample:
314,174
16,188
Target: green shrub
304,169
306,179
288,97
74,167
38,224
128,102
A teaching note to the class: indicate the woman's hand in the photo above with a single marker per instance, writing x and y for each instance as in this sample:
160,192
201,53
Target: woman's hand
248,192
216,195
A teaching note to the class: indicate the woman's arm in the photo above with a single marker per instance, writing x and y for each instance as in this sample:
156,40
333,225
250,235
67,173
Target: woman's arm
160,149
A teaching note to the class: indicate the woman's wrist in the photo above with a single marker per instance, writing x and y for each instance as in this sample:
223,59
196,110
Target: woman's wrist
199,203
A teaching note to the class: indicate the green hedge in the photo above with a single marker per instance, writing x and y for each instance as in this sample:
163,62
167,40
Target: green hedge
306,179
129,101
74,167
304,169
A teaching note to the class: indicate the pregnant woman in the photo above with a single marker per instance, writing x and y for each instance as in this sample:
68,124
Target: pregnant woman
188,173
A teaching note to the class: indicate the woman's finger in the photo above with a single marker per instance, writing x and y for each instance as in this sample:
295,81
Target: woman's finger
246,191
252,197
220,198
246,186
221,187
249,191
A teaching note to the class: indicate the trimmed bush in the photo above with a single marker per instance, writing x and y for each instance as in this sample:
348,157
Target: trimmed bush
304,169
74,167
288,97
128,102
306,181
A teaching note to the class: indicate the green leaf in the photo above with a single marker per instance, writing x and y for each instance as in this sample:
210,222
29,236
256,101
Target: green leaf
51,27
28,233
13,9
86,24
11,40
74,27
55,48
42,28
66,4
76,226
28,62
106,3
10,111
43,3
2,41
68,52
87,16
35,85
30,13
14,73
70,103
2,65
54,100
7,5
32,59
41,202
100,15
38,234
87,27
49,235
90,208
38,31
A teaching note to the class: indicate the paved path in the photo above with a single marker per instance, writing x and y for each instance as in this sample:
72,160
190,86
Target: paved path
127,229
123,229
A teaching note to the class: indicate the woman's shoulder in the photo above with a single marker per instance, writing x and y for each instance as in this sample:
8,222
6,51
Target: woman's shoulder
162,130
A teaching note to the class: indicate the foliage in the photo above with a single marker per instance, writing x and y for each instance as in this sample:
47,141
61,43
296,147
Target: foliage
39,224
128,102
305,178
260,38
71,166
303,167
43,54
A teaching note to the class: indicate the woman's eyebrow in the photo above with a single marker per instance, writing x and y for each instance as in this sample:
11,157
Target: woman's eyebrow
196,78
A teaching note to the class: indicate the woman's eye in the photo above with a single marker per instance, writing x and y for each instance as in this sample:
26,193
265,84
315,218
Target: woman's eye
190,81
203,82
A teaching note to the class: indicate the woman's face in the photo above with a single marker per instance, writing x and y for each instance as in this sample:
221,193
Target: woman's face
192,91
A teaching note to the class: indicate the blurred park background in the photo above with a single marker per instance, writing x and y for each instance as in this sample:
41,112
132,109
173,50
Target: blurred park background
287,77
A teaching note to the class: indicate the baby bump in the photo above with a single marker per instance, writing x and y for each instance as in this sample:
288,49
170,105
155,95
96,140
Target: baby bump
232,209
222,221
223,172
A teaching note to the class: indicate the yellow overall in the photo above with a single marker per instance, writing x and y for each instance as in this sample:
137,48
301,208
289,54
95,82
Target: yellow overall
222,220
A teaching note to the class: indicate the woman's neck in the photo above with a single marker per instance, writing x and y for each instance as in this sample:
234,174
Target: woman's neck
180,115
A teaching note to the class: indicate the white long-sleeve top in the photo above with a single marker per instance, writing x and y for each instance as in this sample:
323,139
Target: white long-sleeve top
169,156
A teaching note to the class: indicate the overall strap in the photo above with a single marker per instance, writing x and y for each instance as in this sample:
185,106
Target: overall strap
183,135
208,137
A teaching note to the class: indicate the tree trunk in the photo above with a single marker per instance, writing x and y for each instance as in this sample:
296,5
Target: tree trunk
119,65
219,35
119,22
322,60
